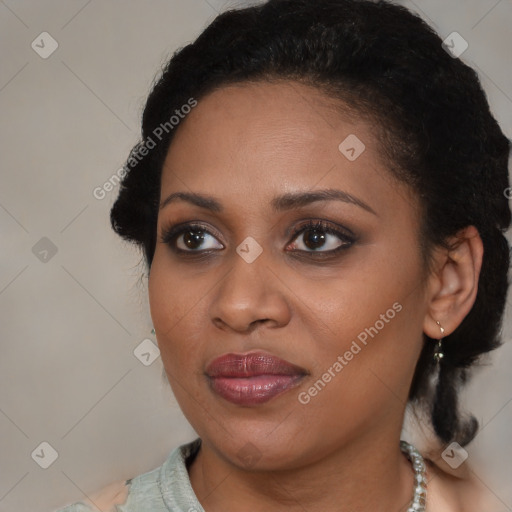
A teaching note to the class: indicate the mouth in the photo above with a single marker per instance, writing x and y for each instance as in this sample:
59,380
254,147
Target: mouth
253,378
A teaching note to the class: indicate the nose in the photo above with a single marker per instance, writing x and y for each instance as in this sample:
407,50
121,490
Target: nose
248,295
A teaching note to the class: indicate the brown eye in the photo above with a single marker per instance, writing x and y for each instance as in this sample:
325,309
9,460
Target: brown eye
320,235
193,239
190,238
313,238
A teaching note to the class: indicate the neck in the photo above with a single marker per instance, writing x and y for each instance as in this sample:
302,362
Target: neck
368,474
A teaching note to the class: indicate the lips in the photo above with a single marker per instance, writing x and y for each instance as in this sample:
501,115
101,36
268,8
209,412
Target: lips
253,378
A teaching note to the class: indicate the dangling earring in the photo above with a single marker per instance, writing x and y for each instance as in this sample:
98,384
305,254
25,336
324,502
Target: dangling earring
153,331
438,352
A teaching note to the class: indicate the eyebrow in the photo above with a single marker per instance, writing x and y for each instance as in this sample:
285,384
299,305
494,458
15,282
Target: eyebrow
281,203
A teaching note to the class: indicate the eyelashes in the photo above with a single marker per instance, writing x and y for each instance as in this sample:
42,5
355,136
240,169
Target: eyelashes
196,239
319,229
194,233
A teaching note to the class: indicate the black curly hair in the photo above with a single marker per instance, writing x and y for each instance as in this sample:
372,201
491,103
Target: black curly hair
436,132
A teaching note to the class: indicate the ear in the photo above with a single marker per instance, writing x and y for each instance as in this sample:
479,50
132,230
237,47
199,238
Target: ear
453,286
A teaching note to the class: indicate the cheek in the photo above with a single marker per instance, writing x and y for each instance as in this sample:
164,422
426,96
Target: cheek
171,296
366,348
370,315
344,303
175,310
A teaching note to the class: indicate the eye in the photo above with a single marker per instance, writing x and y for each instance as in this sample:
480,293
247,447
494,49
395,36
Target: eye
190,238
318,237
321,235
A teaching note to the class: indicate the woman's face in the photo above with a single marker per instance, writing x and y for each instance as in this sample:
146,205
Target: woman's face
318,328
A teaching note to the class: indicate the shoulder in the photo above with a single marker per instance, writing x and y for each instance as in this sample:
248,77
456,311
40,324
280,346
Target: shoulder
150,491
105,500
457,490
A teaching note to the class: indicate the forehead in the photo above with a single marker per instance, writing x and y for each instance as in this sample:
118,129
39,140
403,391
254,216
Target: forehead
257,140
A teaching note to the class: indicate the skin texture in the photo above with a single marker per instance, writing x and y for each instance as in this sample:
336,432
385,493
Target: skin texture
244,145
106,500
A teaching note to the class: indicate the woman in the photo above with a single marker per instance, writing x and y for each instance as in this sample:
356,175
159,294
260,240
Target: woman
319,196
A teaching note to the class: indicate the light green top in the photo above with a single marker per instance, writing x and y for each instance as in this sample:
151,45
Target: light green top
164,489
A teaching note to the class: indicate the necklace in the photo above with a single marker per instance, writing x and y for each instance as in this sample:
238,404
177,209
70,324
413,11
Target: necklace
419,499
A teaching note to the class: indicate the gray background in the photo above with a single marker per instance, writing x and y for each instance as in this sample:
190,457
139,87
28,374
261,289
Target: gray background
69,325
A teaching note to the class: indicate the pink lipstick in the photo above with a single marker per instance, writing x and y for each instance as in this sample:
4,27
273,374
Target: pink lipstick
253,378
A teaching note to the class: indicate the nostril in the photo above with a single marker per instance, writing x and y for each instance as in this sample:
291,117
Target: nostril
256,322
